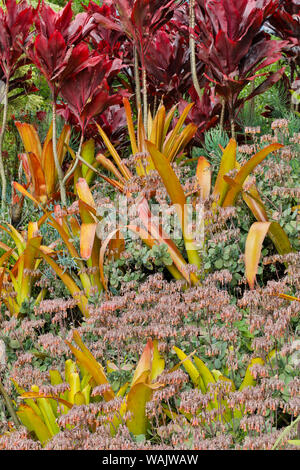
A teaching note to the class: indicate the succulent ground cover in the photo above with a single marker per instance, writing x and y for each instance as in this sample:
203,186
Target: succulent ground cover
149,225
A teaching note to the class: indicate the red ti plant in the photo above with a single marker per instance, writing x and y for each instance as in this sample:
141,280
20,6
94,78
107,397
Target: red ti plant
20,85
205,112
285,23
87,94
15,23
139,20
234,48
110,38
58,52
168,67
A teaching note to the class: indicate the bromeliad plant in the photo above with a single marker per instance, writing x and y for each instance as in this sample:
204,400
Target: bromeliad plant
87,384
225,193
39,411
17,277
217,387
18,266
172,144
38,161
69,231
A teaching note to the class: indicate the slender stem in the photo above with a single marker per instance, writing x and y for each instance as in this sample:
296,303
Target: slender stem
145,100
4,121
232,128
222,113
154,105
60,174
231,118
144,85
137,79
9,405
192,48
252,102
77,159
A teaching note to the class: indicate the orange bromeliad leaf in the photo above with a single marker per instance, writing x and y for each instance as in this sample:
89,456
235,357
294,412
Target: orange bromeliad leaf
63,142
177,196
84,192
128,113
108,165
87,360
38,177
123,169
144,364
87,232
29,138
203,177
23,191
48,165
287,297
255,204
255,238
245,171
89,222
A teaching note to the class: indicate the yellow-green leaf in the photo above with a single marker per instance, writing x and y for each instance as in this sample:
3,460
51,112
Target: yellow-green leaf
188,365
245,171
34,423
249,380
255,238
227,164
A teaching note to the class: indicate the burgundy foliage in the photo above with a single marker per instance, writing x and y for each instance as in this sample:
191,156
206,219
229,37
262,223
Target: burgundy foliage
138,19
112,120
285,23
205,113
57,49
87,92
108,39
21,84
15,23
233,47
168,67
